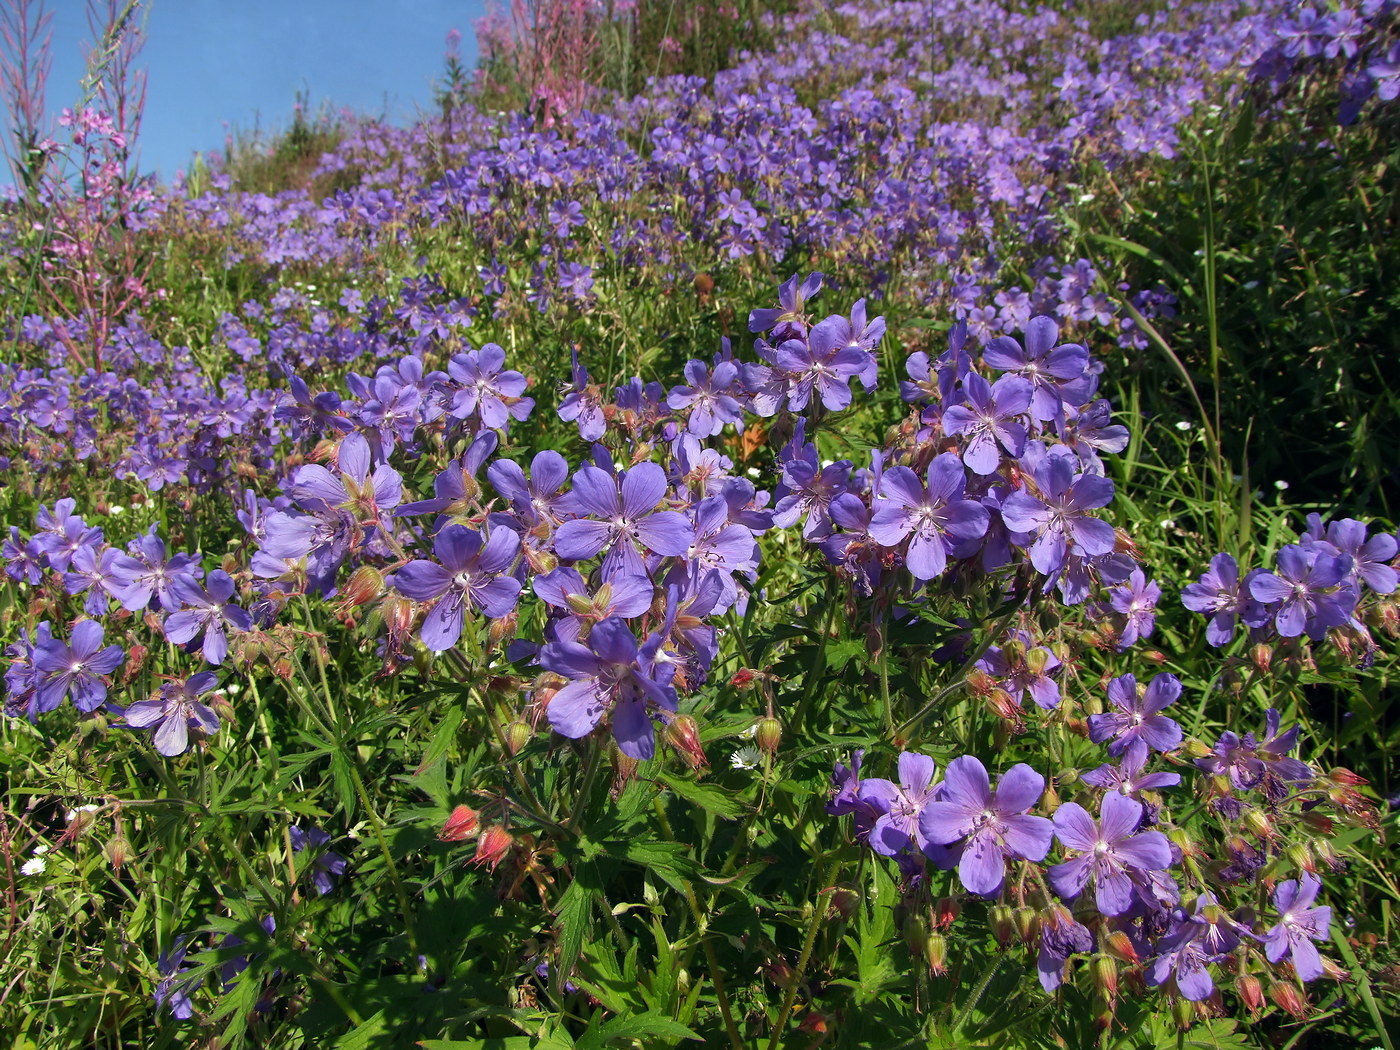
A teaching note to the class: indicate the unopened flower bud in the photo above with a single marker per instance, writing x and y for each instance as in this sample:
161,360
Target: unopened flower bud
916,931
1184,1013
117,851
1198,748
366,584
1262,656
1318,821
540,561
502,629
1003,705
936,953
979,683
461,824
1049,798
1027,923
1037,660
1259,822
683,734
767,734
1347,778
1301,858
1251,992
842,901
1334,972
1119,946
1289,999
1106,976
779,972
517,734
624,769
1002,921
493,846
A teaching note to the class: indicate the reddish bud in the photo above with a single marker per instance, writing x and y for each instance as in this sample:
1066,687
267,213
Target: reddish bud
117,851
461,824
1289,999
366,584
1262,657
841,902
1347,778
946,911
501,629
1118,946
1106,976
1251,992
493,846
683,734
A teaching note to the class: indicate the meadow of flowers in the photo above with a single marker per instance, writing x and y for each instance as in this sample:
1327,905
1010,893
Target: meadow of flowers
776,559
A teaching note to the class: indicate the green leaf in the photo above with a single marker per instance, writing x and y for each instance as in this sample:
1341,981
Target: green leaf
710,797
573,922
641,1026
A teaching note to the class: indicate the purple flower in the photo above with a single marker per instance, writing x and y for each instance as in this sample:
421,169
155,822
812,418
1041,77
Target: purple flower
583,405
485,389
710,398
1021,666
807,488
1299,925
1219,595
471,573
1248,762
171,990
147,574
1137,723
178,710
1369,557
1057,374
610,673
625,514
1304,595
1060,937
24,560
992,827
818,363
937,520
1137,601
317,490
1059,520
620,595
91,570
1190,943
78,667
1109,852
788,317
896,829
1128,779
326,865
208,612
988,420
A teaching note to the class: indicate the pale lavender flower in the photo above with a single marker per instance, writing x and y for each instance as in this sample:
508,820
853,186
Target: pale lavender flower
1059,520
1220,595
1109,852
178,710
207,611
1305,594
1299,925
472,574
936,519
79,667
1137,601
1137,722
989,421
896,829
988,828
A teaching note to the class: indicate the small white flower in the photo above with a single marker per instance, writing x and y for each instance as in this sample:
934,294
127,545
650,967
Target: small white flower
41,849
73,814
33,867
749,733
114,511
1183,425
747,757
1281,485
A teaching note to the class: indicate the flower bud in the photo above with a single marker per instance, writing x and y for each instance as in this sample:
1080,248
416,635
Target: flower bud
517,734
366,584
1106,976
501,629
1259,822
683,734
117,851
1003,705
1118,945
1289,999
540,561
624,769
1262,656
493,846
936,953
1320,822
1198,748
1333,972
767,734
1184,1013
461,824
979,683
916,932
1251,992
1003,924
1037,660
842,901
1301,858
1027,923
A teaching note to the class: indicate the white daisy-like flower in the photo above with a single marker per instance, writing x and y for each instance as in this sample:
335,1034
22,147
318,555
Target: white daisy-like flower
747,757
34,866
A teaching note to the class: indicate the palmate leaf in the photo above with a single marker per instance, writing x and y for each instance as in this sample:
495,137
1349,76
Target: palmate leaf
653,1028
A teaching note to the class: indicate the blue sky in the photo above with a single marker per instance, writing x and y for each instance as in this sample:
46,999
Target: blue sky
220,65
